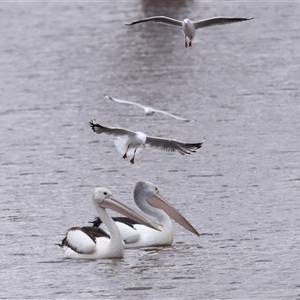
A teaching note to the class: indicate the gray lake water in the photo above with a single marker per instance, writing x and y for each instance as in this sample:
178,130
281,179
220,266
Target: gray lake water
240,190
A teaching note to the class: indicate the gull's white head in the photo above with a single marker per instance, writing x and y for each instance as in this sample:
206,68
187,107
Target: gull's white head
149,111
141,138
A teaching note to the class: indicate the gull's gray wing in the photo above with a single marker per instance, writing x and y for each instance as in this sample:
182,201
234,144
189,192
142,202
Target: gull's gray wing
110,130
124,101
172,145
171,115
218,21
159,19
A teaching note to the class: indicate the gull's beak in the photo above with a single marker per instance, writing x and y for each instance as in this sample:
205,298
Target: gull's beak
125,210
160,202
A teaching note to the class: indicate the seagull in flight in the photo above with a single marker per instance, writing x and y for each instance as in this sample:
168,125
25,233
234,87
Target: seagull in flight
149,111
129,142
189,27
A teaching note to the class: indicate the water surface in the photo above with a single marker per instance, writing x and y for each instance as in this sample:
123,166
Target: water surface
241,190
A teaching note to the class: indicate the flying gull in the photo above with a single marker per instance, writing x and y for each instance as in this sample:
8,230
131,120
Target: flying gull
149,111
129,142
189,27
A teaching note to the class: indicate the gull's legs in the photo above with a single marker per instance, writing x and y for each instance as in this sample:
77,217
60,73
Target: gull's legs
132,160
188,42
125,155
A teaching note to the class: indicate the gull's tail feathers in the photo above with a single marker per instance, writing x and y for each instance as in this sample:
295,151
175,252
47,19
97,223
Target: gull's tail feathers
196,39
121,145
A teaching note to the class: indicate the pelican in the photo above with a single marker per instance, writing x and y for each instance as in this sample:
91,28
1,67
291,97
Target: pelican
148,198
189,27
88,243
149,111
134,140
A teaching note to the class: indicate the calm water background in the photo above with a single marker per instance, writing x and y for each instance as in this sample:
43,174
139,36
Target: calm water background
241,190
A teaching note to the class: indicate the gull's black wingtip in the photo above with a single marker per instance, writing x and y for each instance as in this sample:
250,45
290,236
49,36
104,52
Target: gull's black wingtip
93,124
108,97
201,143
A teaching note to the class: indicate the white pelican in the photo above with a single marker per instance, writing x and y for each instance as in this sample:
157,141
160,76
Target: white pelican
88,243
189,27
152,203
149,111
134,140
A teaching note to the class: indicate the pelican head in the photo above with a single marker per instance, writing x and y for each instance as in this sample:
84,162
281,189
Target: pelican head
154,200
102,197
100,194
148,189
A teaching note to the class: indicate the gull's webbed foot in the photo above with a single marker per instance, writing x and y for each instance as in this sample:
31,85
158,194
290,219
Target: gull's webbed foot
132,161
124,156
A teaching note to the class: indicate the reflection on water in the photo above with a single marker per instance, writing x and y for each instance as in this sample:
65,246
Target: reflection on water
173,9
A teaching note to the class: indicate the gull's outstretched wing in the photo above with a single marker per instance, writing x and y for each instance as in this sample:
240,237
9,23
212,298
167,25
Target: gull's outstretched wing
218,21
124,101
110,130
159,19
172,145
173,116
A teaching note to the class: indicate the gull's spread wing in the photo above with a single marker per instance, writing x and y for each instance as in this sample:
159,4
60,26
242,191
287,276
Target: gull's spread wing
159,19
110,130
124,101
172,145
171,115
218,21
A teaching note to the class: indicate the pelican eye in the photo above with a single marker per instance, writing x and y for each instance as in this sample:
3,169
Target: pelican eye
105,193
